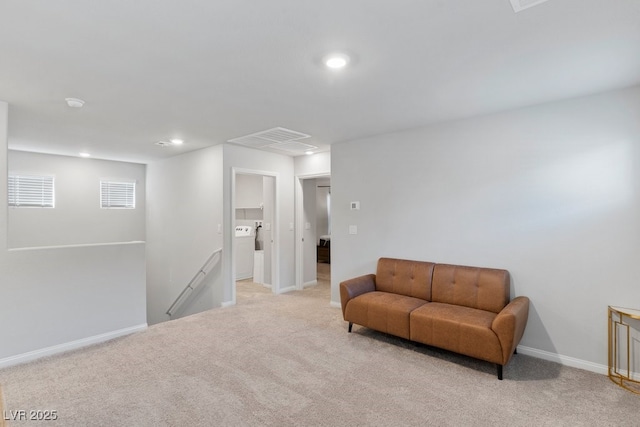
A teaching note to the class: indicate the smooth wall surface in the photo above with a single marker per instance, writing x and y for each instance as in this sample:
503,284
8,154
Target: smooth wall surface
249,192
323,194
184,208
50,298
4,124
310,273
551,193
268,190
53,297
77,217
313,165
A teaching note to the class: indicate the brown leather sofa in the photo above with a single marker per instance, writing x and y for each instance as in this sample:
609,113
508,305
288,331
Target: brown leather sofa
466,310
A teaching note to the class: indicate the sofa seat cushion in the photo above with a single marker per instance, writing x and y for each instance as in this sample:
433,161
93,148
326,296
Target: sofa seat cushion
456,328
383,311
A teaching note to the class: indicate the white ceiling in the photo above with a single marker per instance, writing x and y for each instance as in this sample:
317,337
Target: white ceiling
210,71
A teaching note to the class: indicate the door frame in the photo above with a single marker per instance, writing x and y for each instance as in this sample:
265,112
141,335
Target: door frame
299,225
275,244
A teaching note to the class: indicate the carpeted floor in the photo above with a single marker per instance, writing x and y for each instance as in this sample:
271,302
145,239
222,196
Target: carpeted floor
288,360
2,411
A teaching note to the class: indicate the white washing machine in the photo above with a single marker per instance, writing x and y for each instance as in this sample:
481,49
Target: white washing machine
244,249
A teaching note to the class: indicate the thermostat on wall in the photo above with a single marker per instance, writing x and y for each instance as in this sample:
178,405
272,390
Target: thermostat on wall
355,206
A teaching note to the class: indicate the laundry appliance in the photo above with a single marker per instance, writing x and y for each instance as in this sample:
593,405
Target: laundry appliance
244,249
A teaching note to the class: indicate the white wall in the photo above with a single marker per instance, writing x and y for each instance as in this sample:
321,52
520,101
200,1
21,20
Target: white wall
313,165
268,190
184,208
310,270
53,300
4,123
54,297
323,189
77,217
249,192
551,193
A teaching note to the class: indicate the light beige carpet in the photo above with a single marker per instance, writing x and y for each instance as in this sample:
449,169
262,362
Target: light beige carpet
288,360
2,410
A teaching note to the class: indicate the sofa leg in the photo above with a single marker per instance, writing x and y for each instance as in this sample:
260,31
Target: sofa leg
499,371
350,326
515,351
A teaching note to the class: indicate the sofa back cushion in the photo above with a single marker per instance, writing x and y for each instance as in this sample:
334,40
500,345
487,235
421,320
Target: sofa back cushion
404,277
482,288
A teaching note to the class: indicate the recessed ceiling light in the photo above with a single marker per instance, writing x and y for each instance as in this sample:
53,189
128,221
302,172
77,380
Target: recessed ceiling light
74,102
308,153
170,142
336,61
84,154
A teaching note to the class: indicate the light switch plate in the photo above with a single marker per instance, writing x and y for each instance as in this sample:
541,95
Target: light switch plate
355,206
353,229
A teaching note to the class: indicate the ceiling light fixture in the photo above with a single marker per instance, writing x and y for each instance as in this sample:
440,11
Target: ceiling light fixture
84,154
308,153
173,141
74,102
336,61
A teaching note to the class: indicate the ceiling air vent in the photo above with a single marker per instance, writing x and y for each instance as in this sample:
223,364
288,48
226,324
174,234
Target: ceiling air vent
281,139
269,137
251,141
293,147
519,5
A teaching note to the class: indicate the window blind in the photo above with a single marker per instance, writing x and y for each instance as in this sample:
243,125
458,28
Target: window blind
120,195
31,191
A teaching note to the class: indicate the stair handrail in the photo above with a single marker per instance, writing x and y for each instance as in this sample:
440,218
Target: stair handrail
190,288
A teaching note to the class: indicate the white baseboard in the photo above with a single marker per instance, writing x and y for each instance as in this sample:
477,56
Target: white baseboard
289,289
73,345
335,304
226,304
311,283
564,360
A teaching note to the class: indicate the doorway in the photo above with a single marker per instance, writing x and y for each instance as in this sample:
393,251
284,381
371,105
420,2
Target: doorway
254,233
313,231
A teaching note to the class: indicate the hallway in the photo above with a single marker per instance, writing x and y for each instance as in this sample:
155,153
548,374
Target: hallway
247,290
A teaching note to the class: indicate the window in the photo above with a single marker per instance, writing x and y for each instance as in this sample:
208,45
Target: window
118,195
31,191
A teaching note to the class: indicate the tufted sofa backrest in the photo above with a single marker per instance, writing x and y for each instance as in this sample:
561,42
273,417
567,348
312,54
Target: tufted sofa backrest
482,288
404,277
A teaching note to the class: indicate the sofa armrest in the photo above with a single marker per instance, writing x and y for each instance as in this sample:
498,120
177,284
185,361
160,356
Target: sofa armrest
357,286
509,325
